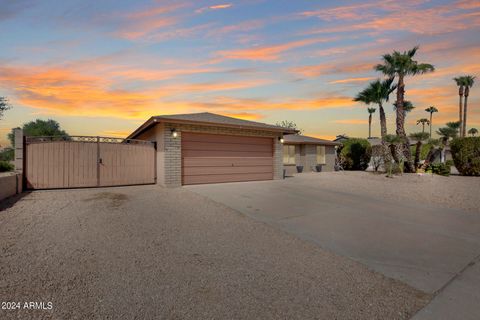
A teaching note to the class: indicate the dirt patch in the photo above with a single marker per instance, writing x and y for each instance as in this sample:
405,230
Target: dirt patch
113,199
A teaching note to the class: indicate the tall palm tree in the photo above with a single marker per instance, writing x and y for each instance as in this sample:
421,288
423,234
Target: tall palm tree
401,64
423,122
460,83
378,92
431,110
370,112
468,83
473,132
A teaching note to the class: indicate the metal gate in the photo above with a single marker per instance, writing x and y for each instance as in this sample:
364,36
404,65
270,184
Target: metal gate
82,161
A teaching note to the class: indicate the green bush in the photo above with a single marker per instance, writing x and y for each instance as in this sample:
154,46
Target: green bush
6,166
442,169
6,154
355,154
466,155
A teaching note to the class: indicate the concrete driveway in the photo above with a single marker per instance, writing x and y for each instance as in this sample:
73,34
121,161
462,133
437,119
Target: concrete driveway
426,246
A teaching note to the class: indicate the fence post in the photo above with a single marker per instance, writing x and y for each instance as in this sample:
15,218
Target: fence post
19,158
18,152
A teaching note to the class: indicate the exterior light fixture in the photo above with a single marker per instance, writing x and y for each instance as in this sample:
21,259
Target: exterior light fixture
281,139
174,133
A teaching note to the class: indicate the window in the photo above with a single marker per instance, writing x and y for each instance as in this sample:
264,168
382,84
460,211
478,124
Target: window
320,154
288,154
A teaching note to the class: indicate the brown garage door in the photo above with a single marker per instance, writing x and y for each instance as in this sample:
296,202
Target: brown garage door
212,158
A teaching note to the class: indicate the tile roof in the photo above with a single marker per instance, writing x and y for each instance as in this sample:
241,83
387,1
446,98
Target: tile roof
208,118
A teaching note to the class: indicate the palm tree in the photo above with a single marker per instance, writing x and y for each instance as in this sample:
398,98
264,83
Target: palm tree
370,112
423,122
401,64
378,92
473,132
420,137
451,130
431,110
468,83
460,83
407,107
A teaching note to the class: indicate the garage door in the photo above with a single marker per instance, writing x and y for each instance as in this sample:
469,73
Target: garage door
212,158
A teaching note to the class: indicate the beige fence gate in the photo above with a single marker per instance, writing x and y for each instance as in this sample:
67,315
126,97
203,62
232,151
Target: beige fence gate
80,161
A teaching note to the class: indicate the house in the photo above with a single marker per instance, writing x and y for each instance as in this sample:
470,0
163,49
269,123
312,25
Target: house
308,152
204,147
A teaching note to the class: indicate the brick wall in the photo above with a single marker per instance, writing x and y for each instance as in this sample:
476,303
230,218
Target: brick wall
172,149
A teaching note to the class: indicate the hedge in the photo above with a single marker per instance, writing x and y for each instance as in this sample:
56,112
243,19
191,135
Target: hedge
466,155
355,154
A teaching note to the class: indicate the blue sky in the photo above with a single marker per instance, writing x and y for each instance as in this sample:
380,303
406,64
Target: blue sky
104,67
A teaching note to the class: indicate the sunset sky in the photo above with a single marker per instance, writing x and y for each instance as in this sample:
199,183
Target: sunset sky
104,67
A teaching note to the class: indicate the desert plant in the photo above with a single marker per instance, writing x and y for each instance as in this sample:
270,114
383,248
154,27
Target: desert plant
468,82
423,122
473,132
6,166
450,131
442,169
355,154
431,110
466,155
401,64
420,137
377,93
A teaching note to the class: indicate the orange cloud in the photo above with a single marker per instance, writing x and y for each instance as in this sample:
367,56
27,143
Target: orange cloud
351,121
66,91
266,53
221,6
419,20
243,115
331,68
353,80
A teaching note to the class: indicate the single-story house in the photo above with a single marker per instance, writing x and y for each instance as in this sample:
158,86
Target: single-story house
308,152
210,148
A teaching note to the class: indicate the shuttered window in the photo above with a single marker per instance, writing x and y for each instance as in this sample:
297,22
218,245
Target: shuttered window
320,154
288,154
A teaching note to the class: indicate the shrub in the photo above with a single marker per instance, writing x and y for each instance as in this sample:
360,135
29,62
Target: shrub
6,166
466,155
442,169
7,154
355,154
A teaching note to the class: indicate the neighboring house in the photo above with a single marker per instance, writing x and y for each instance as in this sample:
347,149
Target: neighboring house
209,148
308,152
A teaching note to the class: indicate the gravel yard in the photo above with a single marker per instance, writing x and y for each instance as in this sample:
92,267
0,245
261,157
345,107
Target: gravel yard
457,192
147,252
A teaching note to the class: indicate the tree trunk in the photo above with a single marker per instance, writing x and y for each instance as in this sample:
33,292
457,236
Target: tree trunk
417,154
423,127
464,127
400,121
370,126
400,124
431,124
383,122
460,98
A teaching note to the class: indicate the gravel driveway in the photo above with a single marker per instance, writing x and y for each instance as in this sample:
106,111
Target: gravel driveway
148,252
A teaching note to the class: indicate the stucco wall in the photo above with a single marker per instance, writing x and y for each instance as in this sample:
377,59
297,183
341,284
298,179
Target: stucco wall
10,184
306,156
169,157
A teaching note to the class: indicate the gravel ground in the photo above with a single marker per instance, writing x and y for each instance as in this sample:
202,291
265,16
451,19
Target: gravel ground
458,192
147,252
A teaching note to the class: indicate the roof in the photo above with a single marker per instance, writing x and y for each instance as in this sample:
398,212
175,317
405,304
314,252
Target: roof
211,119
299,139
